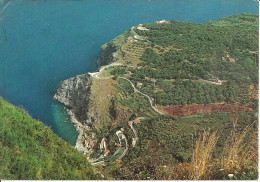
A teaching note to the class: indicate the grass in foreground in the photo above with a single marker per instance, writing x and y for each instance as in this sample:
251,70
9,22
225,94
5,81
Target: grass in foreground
30,150
239,159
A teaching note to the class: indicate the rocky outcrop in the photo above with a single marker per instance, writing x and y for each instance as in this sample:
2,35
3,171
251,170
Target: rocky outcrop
80,129
73,93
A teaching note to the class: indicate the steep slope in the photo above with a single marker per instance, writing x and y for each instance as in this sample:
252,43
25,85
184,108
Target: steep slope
164,85
30,150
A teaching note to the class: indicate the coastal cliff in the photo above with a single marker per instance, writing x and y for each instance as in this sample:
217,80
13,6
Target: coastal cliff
73,93
157,87
76,93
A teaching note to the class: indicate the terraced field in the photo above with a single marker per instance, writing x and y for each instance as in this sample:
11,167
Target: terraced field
133,51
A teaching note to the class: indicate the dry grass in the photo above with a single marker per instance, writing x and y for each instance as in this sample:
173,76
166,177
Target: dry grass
240,158
200,165
102,91
237,153
202,155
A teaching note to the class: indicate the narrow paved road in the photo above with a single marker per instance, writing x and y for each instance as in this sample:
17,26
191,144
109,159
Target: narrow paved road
211,82
120,144
100,147
120,133
125,151
137,36
149,98
97,163
95,160
96,74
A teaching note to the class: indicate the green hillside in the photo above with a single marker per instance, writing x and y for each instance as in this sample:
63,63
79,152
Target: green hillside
246,20
176,80
30,150
174,89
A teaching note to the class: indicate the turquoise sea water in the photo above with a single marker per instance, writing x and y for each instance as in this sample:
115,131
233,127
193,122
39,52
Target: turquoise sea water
43,42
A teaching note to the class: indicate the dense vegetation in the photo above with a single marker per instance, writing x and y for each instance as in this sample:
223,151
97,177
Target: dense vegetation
30,150
246,20
182,57
167,142
204,41
176,64
186,63
187,92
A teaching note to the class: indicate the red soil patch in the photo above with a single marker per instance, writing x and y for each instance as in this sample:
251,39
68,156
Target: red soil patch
185,110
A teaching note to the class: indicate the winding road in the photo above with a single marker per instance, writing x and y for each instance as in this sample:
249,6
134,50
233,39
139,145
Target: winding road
134,131
93,162
148,97
120,134
120,145
96,76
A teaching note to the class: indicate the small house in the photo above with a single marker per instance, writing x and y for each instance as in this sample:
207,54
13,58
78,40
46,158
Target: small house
232,60
93,135
137,121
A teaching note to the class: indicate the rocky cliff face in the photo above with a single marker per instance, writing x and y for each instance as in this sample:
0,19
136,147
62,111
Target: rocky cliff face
73,93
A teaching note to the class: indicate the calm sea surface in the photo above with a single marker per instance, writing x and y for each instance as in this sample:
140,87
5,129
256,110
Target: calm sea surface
43,42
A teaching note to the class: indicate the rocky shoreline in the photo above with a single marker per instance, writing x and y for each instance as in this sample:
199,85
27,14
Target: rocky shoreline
74,92
80,129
